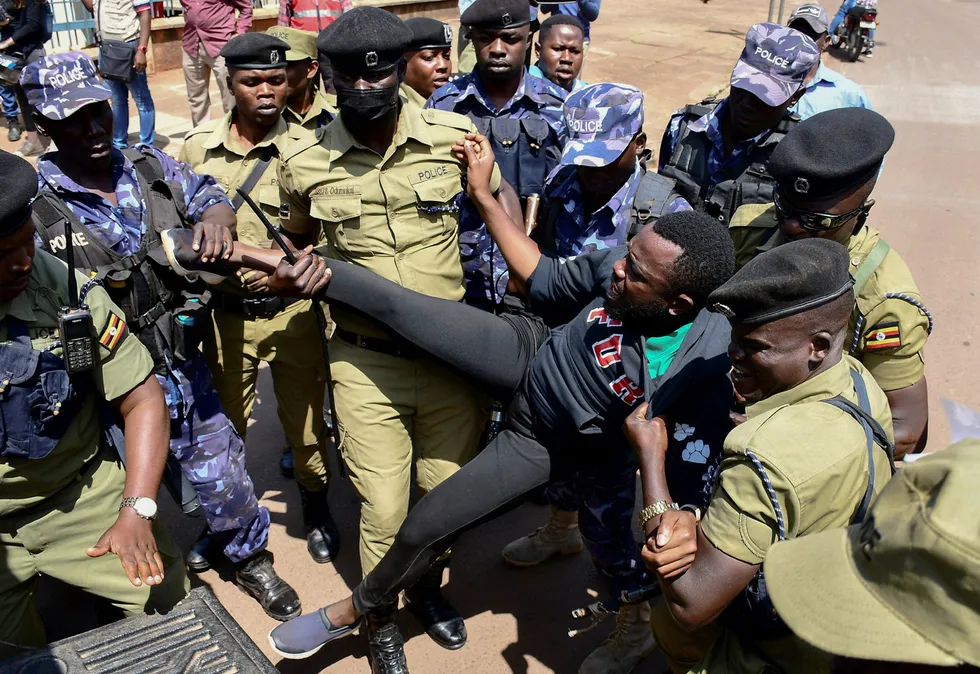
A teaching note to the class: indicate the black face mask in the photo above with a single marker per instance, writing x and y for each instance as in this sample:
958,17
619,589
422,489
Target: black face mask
369,104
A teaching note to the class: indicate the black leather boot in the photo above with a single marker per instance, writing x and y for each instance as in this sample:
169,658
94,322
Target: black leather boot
386,647
441,621
322,536
257,577
199,558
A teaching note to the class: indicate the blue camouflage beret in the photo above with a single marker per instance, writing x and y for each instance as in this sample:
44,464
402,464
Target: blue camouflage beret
831,153
790,279
365,40
19,190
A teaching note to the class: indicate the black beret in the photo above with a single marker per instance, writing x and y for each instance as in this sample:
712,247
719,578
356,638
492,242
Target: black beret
792,278
831,153
255,51
365,40
497,14
429,34
19,190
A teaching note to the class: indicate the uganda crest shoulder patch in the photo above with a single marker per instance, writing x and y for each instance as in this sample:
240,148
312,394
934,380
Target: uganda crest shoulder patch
112,333
883,336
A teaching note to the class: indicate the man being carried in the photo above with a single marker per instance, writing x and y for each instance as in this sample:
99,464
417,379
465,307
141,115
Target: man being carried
810,457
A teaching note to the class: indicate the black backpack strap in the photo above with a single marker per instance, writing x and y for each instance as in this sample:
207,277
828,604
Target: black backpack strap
256,174
146,164
653,197
873,433
49,211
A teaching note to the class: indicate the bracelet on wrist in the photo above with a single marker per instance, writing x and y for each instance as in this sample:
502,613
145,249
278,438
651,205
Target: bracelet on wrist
655,509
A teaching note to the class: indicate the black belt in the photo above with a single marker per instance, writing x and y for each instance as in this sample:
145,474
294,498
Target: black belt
377,344
252,307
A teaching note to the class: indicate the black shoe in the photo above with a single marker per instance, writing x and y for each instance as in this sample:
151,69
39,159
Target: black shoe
322,536
441,621
198,559
257,577
386,647
13,129
286,463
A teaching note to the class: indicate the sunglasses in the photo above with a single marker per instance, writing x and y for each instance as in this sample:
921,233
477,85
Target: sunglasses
817,222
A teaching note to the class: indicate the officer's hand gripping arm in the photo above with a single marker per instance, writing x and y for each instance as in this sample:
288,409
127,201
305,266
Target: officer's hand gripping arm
147,424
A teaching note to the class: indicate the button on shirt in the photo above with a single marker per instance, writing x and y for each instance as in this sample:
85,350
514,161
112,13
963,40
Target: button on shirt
466,96
122,226
830,90
213,23
710,124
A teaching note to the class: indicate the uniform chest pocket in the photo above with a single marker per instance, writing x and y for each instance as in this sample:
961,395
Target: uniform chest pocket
341,217
438,203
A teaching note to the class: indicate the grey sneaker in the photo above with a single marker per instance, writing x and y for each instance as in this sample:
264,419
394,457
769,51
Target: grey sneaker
32,148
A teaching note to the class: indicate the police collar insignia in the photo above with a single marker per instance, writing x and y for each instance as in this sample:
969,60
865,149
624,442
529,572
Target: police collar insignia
506,20
371,59
802,185
448,30
724,310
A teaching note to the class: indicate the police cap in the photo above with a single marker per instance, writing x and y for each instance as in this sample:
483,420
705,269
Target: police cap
831,154
19,190
255,51
497,14
787,280
429,33
302,43
365,40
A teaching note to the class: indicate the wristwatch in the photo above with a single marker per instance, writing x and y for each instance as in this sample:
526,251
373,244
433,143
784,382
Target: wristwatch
145,507
654,509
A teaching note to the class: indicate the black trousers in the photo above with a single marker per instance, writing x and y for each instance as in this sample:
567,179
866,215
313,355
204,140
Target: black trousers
493,351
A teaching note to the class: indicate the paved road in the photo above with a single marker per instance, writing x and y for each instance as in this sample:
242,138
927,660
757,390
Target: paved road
924,77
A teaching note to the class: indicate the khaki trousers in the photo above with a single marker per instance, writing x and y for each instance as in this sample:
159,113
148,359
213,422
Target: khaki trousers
289,343
197,78
393,411
51,539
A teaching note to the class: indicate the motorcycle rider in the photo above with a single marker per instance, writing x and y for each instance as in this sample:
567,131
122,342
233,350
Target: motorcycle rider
846,7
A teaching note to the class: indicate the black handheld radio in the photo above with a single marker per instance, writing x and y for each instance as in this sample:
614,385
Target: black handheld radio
75,326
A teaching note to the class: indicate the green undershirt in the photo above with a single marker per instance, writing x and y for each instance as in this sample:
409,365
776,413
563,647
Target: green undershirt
660,351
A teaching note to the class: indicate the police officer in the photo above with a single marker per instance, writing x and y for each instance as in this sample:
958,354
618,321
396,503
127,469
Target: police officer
105,193
429,57
592,202
382,183
66,500
810,457
713,154
825,171
522,117
307,106
242,150
850,592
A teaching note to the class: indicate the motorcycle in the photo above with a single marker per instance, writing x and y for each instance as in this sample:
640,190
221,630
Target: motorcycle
854,34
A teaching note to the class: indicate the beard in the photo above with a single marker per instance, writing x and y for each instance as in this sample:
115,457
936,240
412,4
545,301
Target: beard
640,315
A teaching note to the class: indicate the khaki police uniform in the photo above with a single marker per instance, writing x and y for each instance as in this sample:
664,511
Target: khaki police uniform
53,509
319,115
396,215
816,458
414,97
886,333
287,341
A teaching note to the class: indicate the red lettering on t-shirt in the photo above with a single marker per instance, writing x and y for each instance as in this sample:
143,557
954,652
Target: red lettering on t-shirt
600,314
626,390
607,351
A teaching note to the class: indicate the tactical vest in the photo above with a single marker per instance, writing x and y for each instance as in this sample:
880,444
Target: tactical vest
38,398
527,150
166,317
744,182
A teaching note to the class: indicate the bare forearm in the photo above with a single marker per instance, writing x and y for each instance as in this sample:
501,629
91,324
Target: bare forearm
653,480
521,253
147,431
145,18
910,417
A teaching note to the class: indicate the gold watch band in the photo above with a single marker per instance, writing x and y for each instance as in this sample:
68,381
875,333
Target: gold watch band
654,509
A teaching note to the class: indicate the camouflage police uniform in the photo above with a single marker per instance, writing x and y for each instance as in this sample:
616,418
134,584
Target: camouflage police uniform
535,100
203,438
